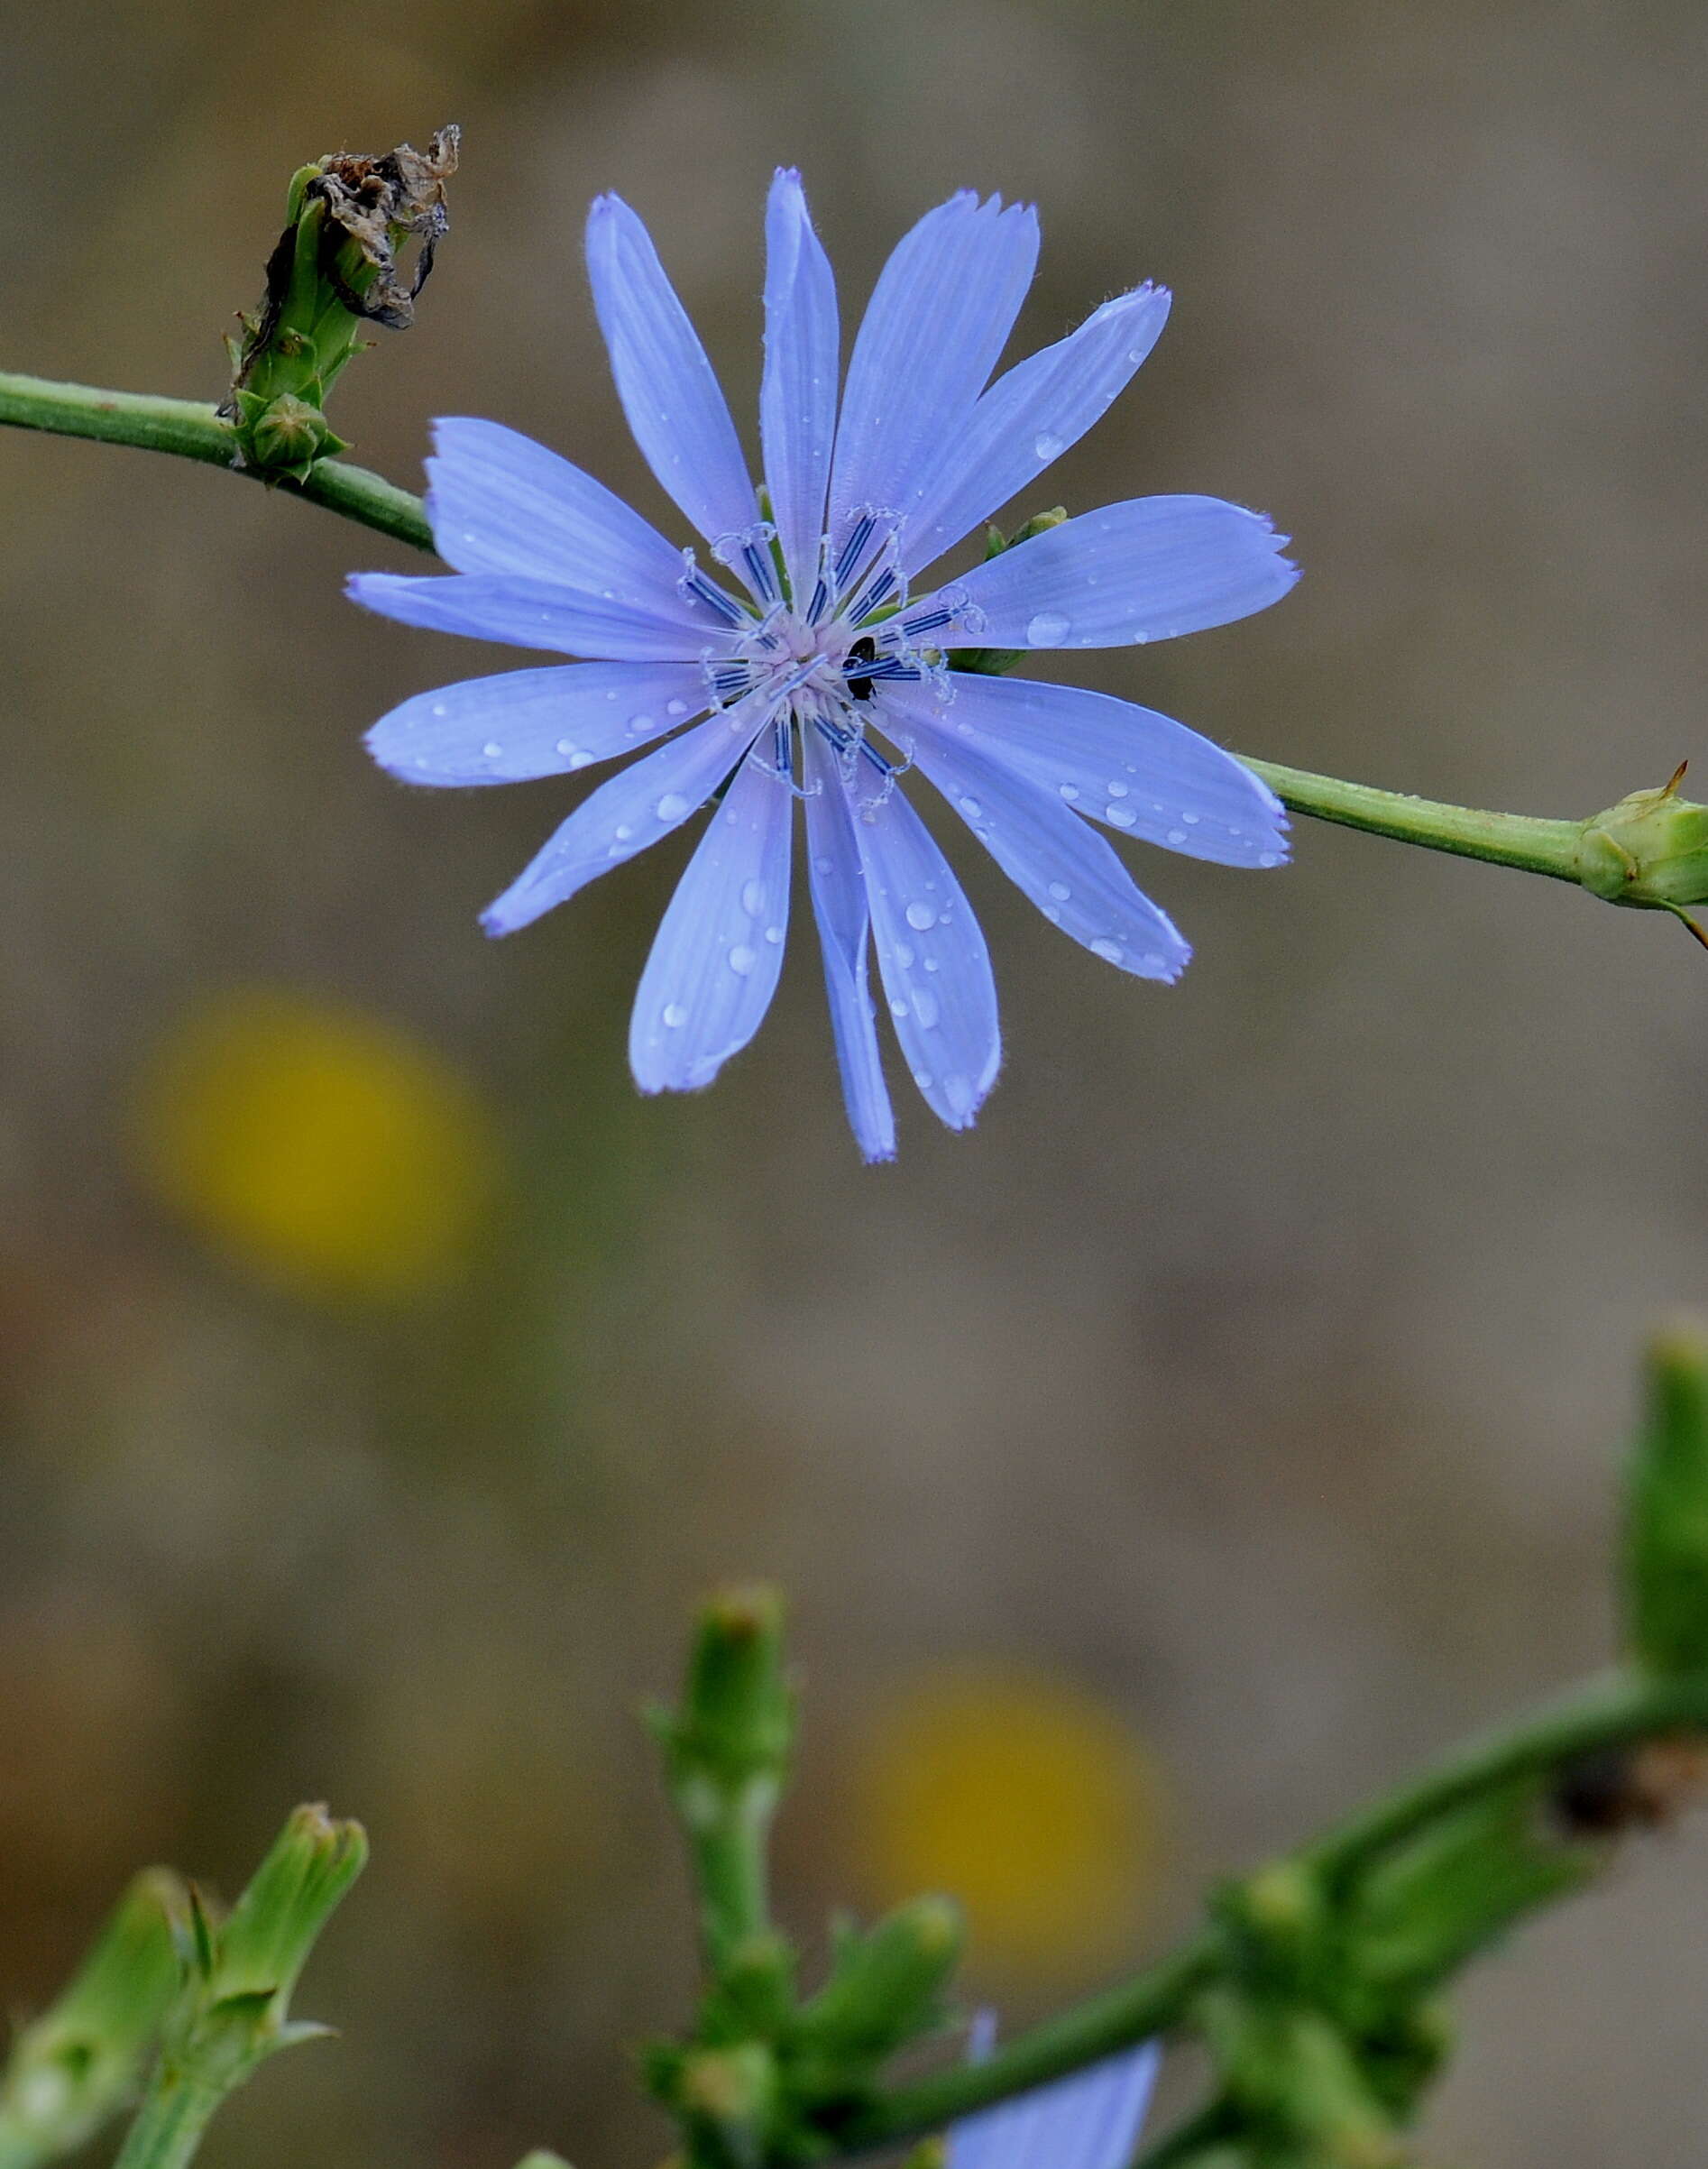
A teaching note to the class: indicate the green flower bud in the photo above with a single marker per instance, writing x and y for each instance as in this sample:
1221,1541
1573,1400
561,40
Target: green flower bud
287,434
1649,850
995,662
82,2060
732,1734
1666,1509
886,1986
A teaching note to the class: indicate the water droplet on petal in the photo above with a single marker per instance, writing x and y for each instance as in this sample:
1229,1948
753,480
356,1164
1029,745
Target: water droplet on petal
439,708
774,933
898,1008
566,746
1269,859
491,750
1060,891
1122,816
672,807
1117,790
1177,837
675,707
1191,820
741,959
674,1015
753,899
580,759
971,808
1048,628
638,725
903,956
1110,952
924,1008
1047,446
623,831
1068,791
922,915
923,1079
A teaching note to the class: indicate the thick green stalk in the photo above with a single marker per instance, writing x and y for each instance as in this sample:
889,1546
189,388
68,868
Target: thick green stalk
1531,844
1609,1712
193,429
171,2125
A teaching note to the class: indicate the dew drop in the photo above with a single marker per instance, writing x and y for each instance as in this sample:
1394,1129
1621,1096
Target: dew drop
566,746
1047,446
741,959
1122,816
971,808
491,750
921,916
1269,859
672,807
903,956
931,963
923,1079
1048,628
1060,891
638,725
924,1009
753,899
439,708
580,759
674,1015
675,707
1117,790
1177,837
1110,952
623,831
1069,791
898,1008
1191,820
774,934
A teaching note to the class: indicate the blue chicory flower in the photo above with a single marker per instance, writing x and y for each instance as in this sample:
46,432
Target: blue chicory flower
811,661
1090,2120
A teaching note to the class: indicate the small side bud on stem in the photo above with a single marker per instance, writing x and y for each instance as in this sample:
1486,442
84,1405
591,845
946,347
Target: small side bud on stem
82,2060
1649,851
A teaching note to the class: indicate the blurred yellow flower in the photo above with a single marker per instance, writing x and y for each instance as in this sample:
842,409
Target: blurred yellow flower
322,1150
1023,1796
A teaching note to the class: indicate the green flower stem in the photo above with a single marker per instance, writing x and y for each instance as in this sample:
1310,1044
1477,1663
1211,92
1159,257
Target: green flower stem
1609,1712
1532,845
193,429
171,2125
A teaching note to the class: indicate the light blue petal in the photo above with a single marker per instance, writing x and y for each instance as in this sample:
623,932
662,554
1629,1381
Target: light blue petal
930,955
1143,773
675,408
1028,419
1090,2120
1145,569
501,504
635,808
1067,868
525,723
716,960
797,399
939,316
838,886
530,613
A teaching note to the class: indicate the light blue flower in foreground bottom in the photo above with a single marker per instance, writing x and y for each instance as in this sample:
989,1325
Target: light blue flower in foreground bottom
809,660
1089,2120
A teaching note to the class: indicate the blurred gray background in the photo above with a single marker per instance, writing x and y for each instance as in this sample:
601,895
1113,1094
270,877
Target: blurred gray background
1242,1399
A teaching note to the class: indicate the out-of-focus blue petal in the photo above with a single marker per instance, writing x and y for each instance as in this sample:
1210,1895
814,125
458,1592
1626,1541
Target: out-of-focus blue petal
930,955
942,308
1089,2120
633,810
525,723
1028,419
716,960
802,360
1067,868
501,504
530,613
675,408
844,923
1145,569
1143,773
